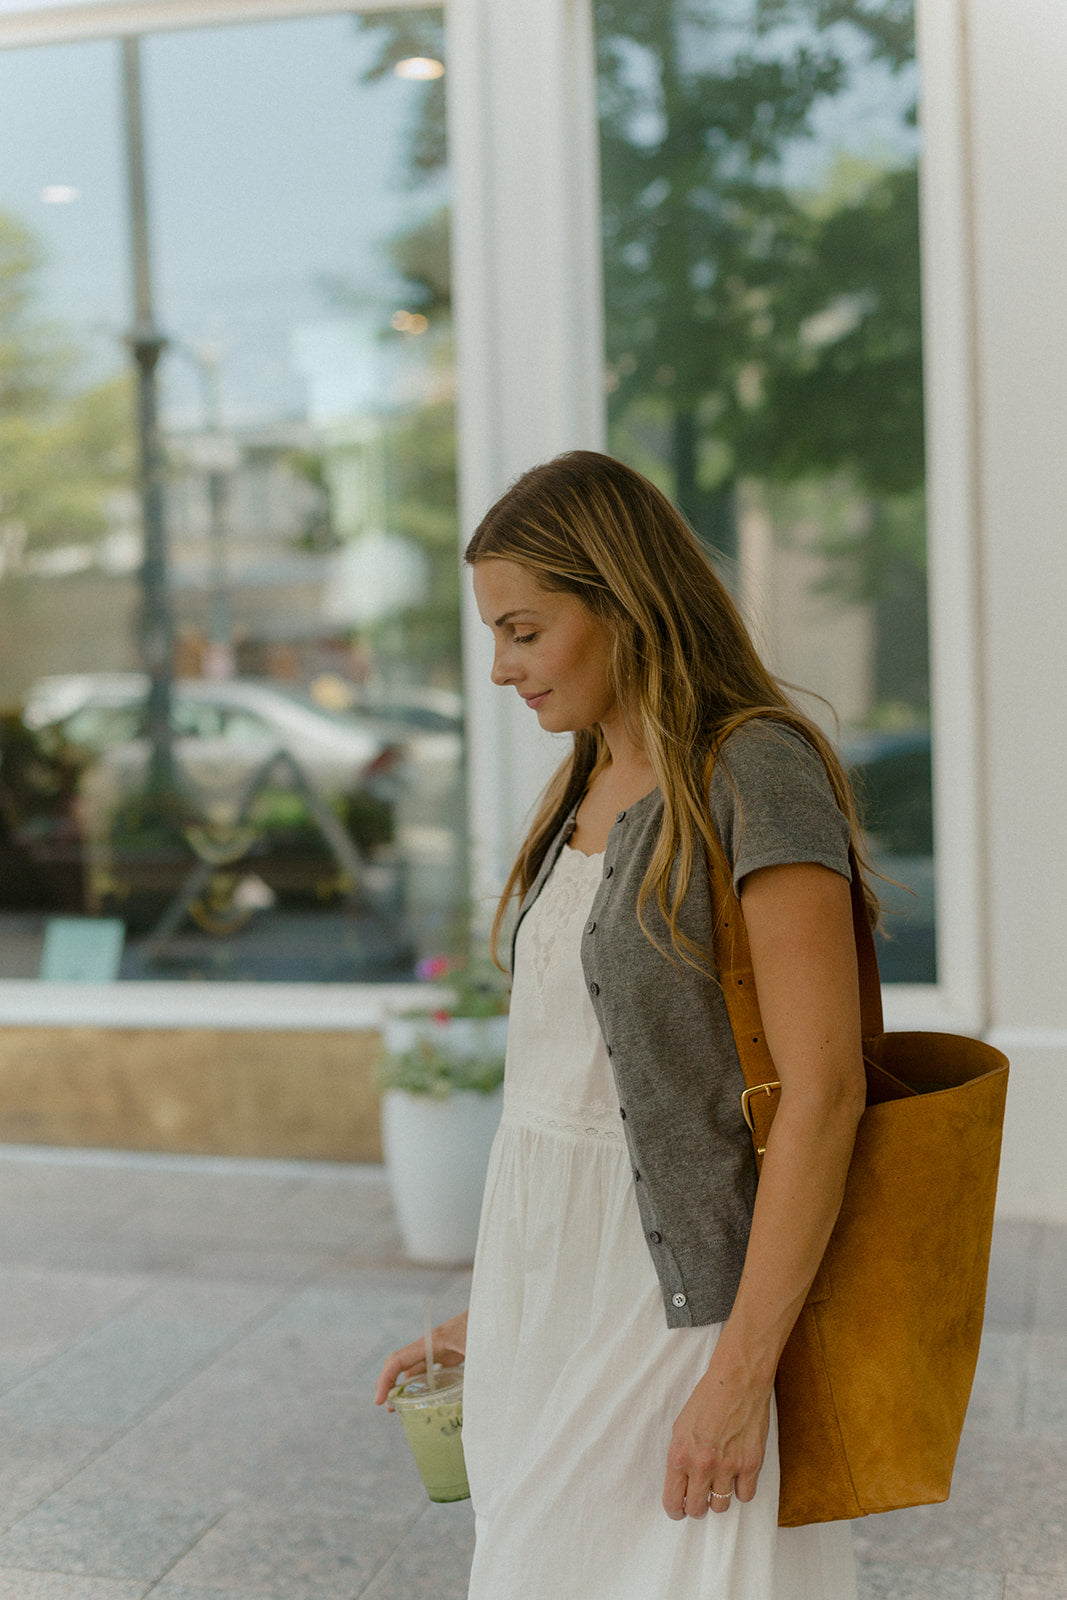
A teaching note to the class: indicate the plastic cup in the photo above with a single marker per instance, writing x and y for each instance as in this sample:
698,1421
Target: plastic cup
433,1423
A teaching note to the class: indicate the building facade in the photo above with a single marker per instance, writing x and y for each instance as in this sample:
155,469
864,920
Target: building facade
533,376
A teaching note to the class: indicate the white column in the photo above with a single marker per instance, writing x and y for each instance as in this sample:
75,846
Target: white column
1018,56
529,329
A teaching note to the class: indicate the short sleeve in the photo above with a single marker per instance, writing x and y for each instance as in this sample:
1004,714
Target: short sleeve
772,804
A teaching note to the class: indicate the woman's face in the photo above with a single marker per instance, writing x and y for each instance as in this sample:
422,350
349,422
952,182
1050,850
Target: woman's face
549,646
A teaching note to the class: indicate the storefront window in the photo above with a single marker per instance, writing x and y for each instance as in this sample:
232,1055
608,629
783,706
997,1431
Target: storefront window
231,733
759,167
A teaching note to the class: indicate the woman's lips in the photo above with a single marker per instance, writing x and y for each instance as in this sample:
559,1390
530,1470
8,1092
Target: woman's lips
535,700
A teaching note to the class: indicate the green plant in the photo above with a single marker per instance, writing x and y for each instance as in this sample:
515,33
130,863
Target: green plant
430,1056
424,1069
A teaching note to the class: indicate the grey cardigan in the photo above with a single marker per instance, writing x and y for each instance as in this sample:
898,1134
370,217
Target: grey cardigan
665,1026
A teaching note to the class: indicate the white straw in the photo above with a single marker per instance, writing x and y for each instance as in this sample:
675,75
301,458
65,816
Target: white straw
431,1380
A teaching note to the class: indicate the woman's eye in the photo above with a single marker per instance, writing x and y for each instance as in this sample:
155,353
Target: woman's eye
525,638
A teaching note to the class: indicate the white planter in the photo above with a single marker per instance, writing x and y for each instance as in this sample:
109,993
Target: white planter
436,1154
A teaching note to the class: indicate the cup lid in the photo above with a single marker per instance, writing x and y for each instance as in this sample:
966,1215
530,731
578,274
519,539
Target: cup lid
446,1381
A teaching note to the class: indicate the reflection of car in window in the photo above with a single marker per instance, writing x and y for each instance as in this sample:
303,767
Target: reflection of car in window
891,773
892,776
222,730
225,736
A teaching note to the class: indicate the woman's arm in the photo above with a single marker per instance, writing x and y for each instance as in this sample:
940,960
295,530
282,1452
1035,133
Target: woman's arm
449,1348
799,923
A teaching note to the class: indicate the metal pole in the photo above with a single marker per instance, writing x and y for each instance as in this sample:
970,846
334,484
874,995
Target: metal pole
220,662
147,344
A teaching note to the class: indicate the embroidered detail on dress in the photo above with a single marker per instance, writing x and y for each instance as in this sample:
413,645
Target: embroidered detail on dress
518,1111
567,894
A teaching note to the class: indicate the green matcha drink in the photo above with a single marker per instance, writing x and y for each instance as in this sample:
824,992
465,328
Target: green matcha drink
433,1423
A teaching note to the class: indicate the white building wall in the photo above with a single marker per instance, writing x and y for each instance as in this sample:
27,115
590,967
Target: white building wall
1018,68
529,332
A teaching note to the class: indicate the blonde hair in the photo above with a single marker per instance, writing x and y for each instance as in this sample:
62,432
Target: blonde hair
683,668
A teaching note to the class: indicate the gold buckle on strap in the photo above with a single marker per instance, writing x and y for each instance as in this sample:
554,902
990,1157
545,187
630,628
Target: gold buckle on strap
758,1088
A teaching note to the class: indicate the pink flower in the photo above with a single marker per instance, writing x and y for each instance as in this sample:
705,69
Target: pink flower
441,1016
430,968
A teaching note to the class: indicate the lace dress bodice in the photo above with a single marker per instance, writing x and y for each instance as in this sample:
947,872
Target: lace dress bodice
559,1075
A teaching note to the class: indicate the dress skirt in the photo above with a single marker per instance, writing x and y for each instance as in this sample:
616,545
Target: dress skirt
573,1378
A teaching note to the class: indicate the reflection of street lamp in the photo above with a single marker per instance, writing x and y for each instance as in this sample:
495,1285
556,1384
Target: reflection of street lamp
220,662
147,344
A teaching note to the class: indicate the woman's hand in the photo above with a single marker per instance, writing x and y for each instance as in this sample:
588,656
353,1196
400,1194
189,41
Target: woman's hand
799,921
718,1441
449,1348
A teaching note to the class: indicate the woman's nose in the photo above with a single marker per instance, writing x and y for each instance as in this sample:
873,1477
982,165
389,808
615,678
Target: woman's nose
503,669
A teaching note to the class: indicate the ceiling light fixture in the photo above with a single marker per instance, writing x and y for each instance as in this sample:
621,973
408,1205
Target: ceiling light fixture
421,69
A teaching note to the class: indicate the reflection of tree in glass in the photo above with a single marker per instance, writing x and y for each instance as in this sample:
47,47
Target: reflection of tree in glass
754,329
401,36
62,451
714,266
419,439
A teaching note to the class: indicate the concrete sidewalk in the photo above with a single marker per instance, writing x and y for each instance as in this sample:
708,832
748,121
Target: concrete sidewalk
186,1354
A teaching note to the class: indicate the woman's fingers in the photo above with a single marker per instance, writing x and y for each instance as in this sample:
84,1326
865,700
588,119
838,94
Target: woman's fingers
685,1496
449,1343
745,1487
720,1495
674,1488
412,1359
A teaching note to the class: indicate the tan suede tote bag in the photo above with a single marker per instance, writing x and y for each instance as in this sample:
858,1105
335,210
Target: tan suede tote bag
873,1385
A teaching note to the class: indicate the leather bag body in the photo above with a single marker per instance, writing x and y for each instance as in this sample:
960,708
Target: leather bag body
873,1384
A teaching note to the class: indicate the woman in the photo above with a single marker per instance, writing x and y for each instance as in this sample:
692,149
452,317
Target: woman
633,1290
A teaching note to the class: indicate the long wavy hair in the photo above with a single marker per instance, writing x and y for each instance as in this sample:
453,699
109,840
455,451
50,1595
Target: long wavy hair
683,669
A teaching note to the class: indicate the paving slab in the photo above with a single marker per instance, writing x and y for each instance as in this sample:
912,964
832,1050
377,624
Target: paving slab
116,1537
1050,1299
23,1585
38,1458
1026,1588
187,1353
238,1440
432,1560
281,1557
138,1356
908,1581
1012,1286
997,1396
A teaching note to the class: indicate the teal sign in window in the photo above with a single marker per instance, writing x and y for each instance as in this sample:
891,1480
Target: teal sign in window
82,949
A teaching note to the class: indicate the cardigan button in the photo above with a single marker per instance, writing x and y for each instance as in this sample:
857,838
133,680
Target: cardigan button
608,870
622,1112
637,1176
619,815
657,1238
678,1300
594,989
590,927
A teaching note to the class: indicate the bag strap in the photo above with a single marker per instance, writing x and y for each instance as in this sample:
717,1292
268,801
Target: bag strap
733,959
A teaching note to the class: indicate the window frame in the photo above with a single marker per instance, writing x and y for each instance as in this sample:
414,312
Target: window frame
526,394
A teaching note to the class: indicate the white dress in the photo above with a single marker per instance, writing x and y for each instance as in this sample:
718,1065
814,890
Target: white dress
573,1377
